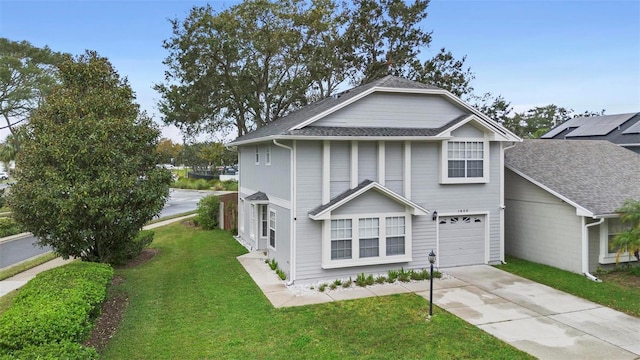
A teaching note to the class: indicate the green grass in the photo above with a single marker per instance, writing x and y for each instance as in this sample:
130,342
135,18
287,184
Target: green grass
195,301
172,217
26,265
616,296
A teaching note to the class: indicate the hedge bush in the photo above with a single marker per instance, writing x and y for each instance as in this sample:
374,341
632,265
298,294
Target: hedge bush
53,351
56,307
133,248
208,211
9,227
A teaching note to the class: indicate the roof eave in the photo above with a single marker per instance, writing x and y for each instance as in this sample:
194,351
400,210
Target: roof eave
416,209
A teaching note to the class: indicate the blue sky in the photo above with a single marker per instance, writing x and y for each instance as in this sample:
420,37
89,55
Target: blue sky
583,55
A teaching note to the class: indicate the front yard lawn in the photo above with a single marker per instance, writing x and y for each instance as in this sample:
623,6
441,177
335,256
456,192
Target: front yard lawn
619,295
195,301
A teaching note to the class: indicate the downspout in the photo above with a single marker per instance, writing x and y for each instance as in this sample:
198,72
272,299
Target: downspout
502,204
292,227
585,248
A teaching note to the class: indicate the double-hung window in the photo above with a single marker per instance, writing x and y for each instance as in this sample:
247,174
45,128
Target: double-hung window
341,239
272,228
465,161
367,240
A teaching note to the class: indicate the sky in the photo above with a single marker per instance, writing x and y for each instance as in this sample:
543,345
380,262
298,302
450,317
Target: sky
580,54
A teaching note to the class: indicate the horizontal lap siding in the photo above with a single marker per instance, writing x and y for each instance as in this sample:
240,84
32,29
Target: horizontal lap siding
369,202
395,110
273,179
457,198
539,227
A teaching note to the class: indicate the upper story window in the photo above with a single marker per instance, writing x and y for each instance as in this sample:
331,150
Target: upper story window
267,160
257,155
465,161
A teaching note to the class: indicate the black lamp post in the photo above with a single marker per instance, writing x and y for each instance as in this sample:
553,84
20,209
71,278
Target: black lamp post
432,260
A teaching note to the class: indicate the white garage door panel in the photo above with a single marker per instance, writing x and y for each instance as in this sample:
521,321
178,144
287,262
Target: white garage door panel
462,240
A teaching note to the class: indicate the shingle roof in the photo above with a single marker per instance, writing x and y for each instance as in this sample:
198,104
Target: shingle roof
340,197
282,125
259,196
597,175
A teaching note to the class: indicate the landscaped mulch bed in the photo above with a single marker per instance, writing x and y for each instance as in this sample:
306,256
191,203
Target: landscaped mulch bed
114,306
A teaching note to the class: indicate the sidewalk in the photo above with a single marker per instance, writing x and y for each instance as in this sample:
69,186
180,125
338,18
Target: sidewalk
17,281
537,319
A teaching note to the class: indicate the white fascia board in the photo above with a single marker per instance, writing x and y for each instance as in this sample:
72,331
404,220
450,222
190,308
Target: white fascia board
345,137
496,136
415,208
580,211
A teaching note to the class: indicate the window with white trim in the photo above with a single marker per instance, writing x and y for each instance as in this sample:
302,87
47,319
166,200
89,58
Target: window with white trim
616,227
369,237
341,235
267,160
272,228
465,161
257,155
395,235
357,240
264,221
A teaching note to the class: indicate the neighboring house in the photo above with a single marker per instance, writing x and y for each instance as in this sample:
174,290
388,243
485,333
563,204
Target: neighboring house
373,179
620,129
561,199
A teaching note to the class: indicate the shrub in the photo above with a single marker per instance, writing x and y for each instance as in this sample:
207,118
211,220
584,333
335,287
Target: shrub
392,275
380,279
347,283
403,275
337,282
133,248
208,211
273,264
57,306
53,351
281,274
361,280
9,227
322,287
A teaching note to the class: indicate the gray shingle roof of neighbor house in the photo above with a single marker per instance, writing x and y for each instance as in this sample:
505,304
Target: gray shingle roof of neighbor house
596,175
284,125
621,129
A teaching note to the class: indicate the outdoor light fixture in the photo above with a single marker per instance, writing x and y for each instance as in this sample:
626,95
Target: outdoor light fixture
432,260
434,217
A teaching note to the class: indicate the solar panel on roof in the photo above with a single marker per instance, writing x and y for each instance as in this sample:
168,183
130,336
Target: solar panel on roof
600,125
571,123
633,129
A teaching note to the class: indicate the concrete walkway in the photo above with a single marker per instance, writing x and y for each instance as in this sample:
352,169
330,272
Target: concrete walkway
544,322
17,281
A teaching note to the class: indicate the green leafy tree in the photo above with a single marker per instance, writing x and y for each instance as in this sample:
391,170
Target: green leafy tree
257,61
167,150
252,63
88,181
628,241
9,149
27,74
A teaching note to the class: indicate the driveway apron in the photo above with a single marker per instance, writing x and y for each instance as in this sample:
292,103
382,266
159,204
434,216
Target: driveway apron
546,323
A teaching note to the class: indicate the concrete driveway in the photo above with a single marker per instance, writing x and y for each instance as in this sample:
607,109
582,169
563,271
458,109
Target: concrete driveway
546,323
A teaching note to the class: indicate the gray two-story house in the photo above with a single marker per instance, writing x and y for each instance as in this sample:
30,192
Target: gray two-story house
373,179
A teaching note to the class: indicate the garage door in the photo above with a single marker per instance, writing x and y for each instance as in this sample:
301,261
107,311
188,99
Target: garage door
461,240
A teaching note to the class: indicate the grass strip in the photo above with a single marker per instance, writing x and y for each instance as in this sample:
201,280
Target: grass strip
26,265
616,296
195,301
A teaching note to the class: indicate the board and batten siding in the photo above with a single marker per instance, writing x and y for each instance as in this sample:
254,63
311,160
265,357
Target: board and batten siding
457,198
340,167
540,227
382,109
